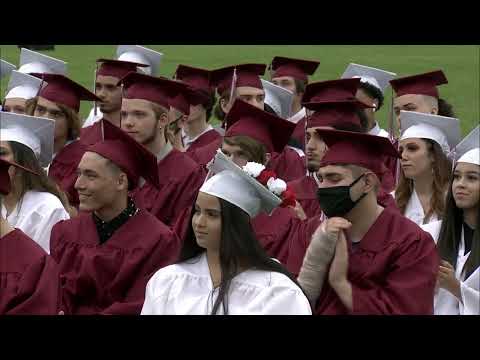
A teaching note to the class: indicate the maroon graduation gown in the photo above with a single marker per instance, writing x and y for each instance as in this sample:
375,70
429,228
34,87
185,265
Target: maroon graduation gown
205,139
204,154
288,165
299,132
29,278
392,271
63,169
180,178
305,189
110,278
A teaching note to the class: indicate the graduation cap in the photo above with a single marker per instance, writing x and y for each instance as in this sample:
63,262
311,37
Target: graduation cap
445,131
422,84
5,68
141,55
34,132
35,62
296,68
468,150
63,90
247,120
117,68
352,148
182,95
330,113
331,90
231,183
376,77
128,154
23,86
278,98
195,77
146,87
5,184
245,75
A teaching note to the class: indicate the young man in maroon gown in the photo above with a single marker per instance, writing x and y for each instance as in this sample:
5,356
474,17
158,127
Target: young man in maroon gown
108,253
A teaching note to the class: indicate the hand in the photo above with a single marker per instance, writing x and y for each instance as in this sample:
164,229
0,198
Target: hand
339,266
333,227
61,312
299,211
447,280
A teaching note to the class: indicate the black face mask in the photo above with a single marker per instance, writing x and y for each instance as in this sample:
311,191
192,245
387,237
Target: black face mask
336,201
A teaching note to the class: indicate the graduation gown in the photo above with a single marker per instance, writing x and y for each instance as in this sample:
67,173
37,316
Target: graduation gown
202,155
63,169
110,278
392,270
180,178
35,215
445,302
299,133
29,278
305,189
414,210
288,165
186,289
204,139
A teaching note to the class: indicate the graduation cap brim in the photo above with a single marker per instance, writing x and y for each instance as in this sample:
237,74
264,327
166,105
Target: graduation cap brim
420,84
154,57
278,98
331,90
471,141
20,79
296,68
382,77
6,68
57,66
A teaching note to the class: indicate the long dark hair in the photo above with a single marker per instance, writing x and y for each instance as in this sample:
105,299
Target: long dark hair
238,246
451,232
24,156
445,109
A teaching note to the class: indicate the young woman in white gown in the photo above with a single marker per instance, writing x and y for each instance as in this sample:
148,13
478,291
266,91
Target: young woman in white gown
458,239
222,267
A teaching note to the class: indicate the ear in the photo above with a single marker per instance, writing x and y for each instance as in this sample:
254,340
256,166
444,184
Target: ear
163,120
371,180
122,182
224,105
375,105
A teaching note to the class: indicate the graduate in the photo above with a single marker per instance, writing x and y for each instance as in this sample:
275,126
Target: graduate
35,204
148,62
29,277
373,83
364,259
222,268
21,92
60,101
292,74
420,93
108,253
457,235
195,130
146,116
424,144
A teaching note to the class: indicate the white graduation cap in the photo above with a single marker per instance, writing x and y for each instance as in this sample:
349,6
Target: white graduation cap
141,55
441,129
34,132
231,183
23,86
376,77
5,68
468,150
35,62
278,98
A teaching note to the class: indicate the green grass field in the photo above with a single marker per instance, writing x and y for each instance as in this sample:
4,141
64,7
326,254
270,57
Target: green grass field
461,65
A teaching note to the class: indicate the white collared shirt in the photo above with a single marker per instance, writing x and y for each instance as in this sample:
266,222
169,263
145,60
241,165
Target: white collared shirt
378,131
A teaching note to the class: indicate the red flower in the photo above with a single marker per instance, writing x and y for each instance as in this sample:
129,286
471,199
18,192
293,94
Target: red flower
288,197
265,175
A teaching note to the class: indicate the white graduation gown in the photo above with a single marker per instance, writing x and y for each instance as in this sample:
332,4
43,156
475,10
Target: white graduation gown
186,289
92,119
414,210
378,131
446,303
36,214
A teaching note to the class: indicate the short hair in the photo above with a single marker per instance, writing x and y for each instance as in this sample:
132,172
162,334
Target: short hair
255,150
374,92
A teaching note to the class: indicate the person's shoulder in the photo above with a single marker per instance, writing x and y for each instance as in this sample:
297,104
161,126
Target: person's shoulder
405,230
266,280
21,246
176,272
42,201
151,222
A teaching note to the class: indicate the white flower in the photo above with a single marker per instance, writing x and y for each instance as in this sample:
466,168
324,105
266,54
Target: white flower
253,169
277,186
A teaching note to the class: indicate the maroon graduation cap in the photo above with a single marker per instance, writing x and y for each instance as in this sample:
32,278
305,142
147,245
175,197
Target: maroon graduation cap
296,68
422,84
117,68
145,87
246,75
129,155
330,113
331,90
247,120
62,90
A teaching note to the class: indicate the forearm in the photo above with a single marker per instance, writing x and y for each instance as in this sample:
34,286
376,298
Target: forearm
315,265
345,293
